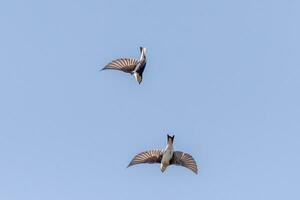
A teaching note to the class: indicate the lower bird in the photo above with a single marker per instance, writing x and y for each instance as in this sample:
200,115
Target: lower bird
130,65
166,157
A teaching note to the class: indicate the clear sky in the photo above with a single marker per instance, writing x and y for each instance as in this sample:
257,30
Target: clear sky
223,76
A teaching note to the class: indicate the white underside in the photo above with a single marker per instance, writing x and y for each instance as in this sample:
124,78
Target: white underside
165,161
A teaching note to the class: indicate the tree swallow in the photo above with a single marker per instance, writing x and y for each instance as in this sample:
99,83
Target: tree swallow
166,157
130,65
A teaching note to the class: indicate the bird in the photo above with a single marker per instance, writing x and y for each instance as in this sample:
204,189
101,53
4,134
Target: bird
166,157
130,65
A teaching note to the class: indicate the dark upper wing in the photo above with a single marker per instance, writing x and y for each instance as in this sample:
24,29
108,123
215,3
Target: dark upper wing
122,64
185,160
151,156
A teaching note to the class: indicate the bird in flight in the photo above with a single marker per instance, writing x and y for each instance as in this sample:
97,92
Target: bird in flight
166,157
130,65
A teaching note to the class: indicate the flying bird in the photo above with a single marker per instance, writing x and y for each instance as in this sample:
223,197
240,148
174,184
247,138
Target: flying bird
166,157
130,65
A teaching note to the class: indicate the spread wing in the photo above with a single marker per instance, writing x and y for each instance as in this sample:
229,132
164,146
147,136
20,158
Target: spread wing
185,160
151,156
122,64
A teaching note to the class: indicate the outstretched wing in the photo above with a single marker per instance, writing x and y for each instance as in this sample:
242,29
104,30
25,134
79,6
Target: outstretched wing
151,156
185,160
122,64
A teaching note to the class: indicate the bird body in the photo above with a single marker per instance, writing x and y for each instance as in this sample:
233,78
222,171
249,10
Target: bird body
130,65
166,157
167,154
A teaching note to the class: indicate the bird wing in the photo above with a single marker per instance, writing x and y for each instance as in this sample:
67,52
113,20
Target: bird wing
185,160
150,156
122,64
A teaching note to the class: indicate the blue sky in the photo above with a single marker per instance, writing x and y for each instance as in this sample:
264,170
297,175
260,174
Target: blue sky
223,76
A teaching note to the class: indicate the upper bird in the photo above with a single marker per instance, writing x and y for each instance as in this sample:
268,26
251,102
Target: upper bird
166,157
130,65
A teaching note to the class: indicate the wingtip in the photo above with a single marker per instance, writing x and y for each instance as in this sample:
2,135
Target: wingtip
129,165
100,68
196,170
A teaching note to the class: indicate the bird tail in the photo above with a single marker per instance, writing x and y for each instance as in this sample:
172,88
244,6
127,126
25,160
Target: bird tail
170,138
101,68
142,49
143,52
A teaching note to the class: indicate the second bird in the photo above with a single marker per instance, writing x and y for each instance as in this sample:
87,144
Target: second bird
166,157
130,65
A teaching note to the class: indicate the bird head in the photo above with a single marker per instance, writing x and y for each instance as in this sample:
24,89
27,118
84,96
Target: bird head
140,80
138,77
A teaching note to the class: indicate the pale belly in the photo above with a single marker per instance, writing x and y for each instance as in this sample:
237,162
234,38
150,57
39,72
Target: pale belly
167,157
